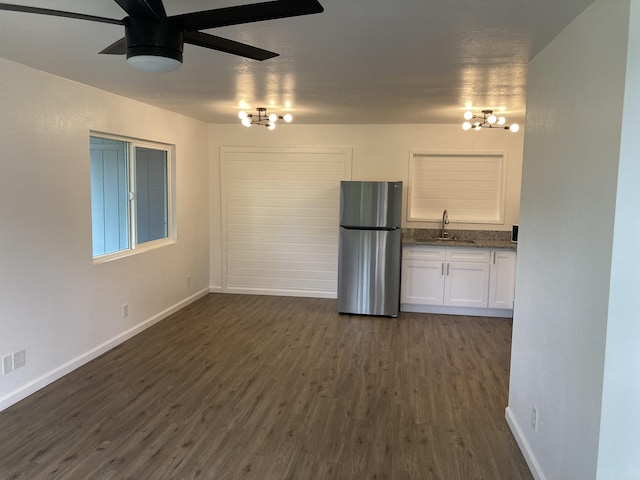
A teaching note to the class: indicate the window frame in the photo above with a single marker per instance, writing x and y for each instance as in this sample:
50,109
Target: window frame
132,230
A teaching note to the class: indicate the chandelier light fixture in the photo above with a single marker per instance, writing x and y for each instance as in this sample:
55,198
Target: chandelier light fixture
262,118
487,120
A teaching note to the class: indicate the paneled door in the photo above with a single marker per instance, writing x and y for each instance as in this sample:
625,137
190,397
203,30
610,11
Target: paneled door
280,213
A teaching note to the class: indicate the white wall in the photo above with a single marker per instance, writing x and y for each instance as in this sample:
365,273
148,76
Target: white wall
619,449
564,298
380,152
54,302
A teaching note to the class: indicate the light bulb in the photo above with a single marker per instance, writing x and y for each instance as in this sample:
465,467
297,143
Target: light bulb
272,126
466,126
246,121
477,127
491,119
287,118
468,115
514,128
242,114
273,118
501,120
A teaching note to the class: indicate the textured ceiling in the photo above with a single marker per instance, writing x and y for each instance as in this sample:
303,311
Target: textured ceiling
359,62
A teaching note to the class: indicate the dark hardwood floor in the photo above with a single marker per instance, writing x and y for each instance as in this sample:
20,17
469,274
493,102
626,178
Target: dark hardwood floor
253,387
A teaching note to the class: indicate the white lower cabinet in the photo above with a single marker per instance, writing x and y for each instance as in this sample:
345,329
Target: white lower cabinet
436,278
422,276
503,279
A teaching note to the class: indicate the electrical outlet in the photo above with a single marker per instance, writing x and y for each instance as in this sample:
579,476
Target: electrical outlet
125,310
534,418
19,359
7,364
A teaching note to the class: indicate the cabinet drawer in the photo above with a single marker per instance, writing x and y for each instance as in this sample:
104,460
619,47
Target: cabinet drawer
423,253
476,255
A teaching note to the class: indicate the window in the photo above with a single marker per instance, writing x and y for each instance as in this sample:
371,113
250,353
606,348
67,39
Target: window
131,196
471,186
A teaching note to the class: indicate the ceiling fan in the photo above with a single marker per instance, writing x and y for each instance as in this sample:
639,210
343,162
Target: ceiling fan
154,42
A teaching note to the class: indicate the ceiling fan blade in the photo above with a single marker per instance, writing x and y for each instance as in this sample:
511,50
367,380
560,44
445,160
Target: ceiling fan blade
58,13
116,48
143,8
228,46
255,12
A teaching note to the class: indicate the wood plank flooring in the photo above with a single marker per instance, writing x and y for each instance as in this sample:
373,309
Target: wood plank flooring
255,387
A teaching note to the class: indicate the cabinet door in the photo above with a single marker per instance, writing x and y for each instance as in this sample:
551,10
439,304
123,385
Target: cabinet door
422,282
503,279
466,284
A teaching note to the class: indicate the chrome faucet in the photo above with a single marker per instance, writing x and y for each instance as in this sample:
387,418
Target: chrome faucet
445,221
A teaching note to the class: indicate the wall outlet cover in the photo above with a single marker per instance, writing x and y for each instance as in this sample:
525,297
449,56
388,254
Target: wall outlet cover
7,364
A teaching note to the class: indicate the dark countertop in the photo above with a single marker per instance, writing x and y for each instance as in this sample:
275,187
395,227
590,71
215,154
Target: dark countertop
477,243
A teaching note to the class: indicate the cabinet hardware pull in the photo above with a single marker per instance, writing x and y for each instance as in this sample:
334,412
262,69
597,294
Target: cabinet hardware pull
448,268
442,269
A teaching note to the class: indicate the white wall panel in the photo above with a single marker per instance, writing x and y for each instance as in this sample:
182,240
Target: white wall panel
280,212
561,322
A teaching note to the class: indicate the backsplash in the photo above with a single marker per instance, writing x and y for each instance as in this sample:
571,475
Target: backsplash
424,233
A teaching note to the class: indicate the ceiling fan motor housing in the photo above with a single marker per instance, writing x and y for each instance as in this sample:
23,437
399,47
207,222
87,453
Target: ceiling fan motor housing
148,36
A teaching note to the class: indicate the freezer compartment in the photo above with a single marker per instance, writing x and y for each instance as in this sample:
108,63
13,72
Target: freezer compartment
371,204
369,272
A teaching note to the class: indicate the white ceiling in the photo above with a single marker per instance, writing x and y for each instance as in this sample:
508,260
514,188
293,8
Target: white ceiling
359,62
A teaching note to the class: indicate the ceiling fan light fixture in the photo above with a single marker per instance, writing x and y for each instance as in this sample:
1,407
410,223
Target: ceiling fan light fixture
153,45
154,63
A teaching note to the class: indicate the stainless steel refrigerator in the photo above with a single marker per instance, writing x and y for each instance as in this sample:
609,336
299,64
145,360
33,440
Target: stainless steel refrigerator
370,244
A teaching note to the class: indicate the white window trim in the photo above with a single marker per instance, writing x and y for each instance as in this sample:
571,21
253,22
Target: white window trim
503,184
171,238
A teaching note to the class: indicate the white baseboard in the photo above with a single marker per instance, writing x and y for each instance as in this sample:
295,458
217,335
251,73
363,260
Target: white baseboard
525,448
282,292
62,370
446,310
